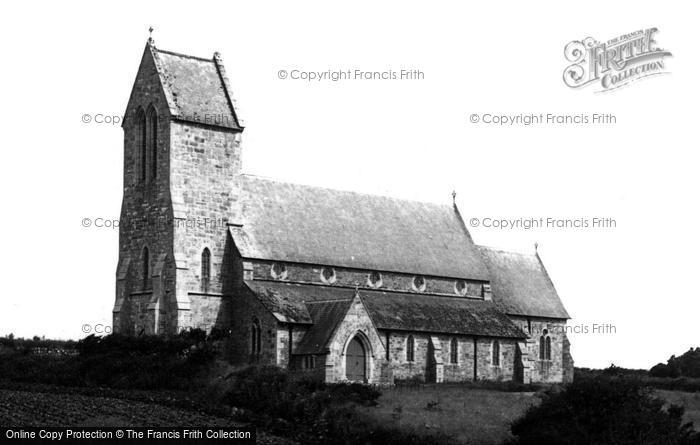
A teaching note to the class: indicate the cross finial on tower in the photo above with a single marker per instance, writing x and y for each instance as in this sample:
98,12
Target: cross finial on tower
454,197
536,245
150,35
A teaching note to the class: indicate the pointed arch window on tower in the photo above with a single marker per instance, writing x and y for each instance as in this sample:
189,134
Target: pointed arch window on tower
153,142
140,158
146,268
206,269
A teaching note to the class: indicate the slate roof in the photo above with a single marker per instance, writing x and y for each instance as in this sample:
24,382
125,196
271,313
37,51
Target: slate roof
520,284
285,302
437,314
325,306
313,225
197,89
326,316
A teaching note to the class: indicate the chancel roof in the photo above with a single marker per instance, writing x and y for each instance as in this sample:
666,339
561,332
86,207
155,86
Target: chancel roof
520,284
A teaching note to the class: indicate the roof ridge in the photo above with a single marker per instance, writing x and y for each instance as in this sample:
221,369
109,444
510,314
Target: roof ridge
461,220
187,56
549,278
352,192
219,63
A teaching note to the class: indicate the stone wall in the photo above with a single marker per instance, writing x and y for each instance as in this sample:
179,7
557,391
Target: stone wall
210,311
567,362
463,370
401,367
204,161
146,211
176,215
317,372
285,332
305,273
486,370
246,307
539,370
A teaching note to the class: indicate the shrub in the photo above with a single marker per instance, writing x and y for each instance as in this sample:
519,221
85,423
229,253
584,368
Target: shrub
664,371
603,409
412,381
661,378
300,405
26,367
29,344
274,391
687,365
144,362
115,361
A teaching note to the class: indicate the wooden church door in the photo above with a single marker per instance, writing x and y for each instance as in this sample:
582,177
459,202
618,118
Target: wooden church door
355,361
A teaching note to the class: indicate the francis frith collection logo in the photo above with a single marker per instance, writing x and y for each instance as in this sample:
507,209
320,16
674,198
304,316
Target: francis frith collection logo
614,63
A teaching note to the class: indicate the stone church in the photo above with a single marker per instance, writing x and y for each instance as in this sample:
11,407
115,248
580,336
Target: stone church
342,285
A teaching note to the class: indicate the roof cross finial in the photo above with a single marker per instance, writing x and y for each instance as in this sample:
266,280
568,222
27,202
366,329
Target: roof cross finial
357,287
150,35
454,197
536,245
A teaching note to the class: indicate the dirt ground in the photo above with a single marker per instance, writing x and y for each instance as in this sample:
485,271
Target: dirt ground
23,408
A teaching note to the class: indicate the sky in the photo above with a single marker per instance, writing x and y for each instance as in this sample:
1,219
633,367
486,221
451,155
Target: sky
634,277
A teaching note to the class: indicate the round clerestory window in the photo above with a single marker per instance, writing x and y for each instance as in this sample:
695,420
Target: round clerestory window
419,283
374,279
328,275
278,271
461,287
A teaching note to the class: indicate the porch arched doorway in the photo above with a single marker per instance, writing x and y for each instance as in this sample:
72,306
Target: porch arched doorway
356,361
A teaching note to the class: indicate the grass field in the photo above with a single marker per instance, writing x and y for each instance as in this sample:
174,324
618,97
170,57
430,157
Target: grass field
690,400
470,415
478,416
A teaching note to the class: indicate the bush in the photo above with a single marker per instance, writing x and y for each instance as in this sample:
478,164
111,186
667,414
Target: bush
687,365
674,384
145,344
605,410
26,344
661,378
275,392
115,361
144,362
301,406
664,371
22,366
